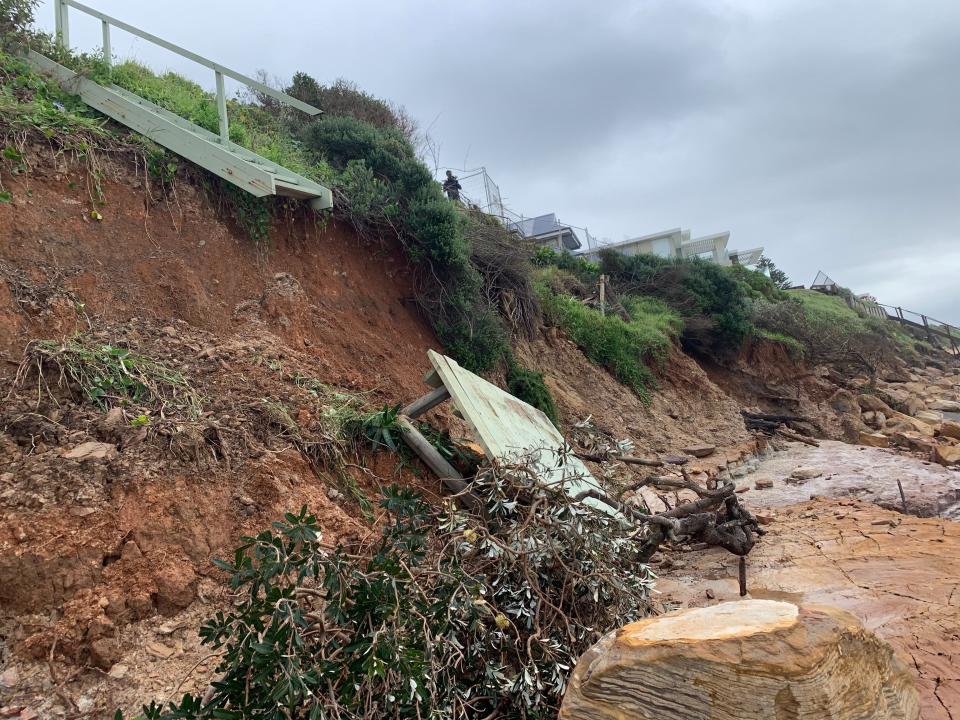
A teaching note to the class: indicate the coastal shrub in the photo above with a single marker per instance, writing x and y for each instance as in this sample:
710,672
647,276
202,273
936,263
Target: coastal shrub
757,284
624,347
529,386
714,306
448,616
409,203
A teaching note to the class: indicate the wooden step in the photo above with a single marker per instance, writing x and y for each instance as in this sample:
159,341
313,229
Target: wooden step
235,164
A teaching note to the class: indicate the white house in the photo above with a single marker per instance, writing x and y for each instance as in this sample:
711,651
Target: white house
677,242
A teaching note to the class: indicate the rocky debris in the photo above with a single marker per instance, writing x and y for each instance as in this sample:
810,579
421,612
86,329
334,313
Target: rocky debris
874,419
899,420
874,440
947,455
763,484
700,451
91,450
9,678
950,429
806,473
929,416
104,653
871,403
158,649
844,402
176,588
749,659
913,441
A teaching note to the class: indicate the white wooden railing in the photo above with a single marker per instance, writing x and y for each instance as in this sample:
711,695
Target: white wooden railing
62,17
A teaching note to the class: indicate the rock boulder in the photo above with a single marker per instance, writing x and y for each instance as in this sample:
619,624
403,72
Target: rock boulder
753,659
950,429
874,440
874,404
947,455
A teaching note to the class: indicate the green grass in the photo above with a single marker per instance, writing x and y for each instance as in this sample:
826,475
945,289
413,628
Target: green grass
828,308
250,126
625,348
110,376
28,102
794,347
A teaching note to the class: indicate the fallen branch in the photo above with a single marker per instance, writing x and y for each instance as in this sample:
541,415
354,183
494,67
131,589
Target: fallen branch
716,518
790,435
629,459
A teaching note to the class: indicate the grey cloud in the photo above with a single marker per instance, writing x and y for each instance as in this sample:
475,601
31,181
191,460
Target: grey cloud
825,130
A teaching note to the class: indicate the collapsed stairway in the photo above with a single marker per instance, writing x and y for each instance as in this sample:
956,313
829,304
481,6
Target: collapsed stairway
216,153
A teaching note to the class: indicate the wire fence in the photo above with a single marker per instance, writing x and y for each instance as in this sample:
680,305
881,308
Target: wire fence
478,190
937,332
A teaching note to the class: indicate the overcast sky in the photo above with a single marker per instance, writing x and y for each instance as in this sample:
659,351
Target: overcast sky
826,131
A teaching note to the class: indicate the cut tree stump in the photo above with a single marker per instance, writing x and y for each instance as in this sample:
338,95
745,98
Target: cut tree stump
746,660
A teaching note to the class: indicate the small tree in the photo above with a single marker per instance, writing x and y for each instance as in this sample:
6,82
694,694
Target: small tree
16,17
778,276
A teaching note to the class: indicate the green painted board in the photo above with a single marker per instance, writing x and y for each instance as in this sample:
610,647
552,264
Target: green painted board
509,429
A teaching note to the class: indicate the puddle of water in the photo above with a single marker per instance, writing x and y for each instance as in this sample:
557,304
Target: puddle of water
759,593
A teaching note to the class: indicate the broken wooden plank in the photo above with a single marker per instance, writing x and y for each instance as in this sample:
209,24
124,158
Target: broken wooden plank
429,401
432,458
511,431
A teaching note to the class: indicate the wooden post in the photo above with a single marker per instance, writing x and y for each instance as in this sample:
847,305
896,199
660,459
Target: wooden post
927,328
903,498
438,464
222,109
742,568
62,18
429,401
603,288
107,52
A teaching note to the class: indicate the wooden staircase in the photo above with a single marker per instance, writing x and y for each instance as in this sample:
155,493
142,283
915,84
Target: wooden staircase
216,153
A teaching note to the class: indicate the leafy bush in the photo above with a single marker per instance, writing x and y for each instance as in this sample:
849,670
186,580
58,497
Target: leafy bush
831,333
16,17
344,98
528,385
449,617
586,271
623,347
757,284
715,307
408,203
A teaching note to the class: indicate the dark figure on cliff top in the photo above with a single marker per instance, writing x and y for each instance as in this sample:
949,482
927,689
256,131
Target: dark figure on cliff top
451,186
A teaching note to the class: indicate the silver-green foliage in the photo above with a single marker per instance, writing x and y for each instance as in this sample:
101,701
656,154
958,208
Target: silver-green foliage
450,616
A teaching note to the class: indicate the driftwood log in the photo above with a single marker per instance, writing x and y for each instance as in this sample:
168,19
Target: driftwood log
716,518
612,457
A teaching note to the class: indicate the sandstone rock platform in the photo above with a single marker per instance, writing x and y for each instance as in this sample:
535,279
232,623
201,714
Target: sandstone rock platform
742,660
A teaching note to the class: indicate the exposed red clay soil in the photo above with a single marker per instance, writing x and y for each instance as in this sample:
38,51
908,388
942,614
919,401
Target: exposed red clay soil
765,377
687,408
314,286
